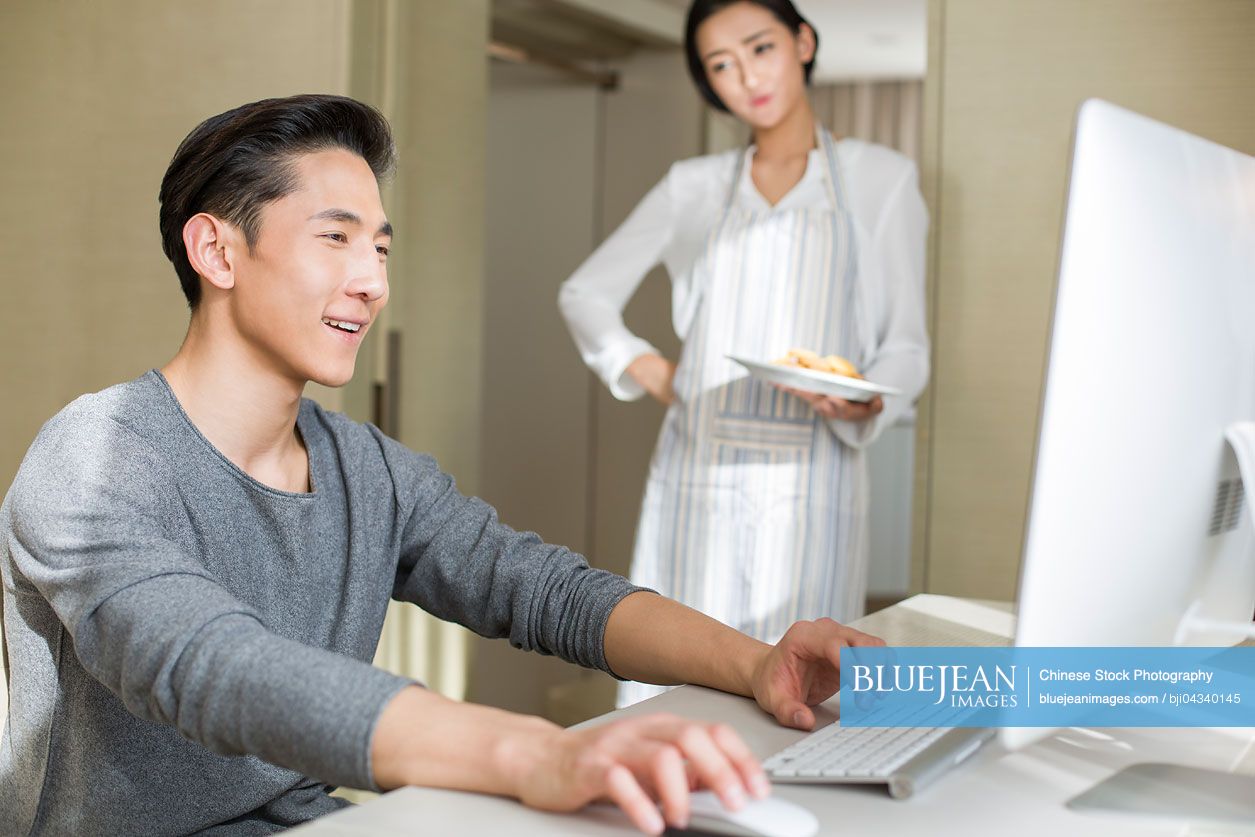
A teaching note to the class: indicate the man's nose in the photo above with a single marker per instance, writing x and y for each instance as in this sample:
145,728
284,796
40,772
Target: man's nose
370,279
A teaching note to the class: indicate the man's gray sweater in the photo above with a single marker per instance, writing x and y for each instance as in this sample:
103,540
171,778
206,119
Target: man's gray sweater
190,649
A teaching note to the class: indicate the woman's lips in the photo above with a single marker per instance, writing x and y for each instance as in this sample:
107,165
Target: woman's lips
759,101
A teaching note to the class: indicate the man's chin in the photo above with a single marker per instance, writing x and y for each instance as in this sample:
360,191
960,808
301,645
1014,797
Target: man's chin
333,378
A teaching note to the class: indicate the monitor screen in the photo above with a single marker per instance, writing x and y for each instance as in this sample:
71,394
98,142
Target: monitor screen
1138,514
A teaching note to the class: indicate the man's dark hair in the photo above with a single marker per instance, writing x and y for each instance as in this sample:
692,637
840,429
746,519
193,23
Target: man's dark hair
233,164
702,9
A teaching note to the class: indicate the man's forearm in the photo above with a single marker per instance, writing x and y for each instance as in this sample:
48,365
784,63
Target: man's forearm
423,738
657,640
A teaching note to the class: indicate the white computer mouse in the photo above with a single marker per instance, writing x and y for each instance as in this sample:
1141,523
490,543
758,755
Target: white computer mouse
770,817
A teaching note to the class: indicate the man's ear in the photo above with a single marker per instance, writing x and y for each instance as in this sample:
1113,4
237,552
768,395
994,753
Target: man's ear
805,43
208,241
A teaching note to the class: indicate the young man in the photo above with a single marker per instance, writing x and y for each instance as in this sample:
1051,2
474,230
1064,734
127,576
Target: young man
197,563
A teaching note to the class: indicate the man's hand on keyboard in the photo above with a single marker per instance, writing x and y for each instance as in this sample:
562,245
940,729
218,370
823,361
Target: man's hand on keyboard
804,669
637,763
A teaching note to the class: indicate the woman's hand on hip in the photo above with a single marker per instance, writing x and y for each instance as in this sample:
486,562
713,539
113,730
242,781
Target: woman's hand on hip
831,407
654,374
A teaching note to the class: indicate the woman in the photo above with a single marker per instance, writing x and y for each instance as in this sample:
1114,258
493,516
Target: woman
755,508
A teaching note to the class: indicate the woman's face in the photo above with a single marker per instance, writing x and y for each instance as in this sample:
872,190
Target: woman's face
755,63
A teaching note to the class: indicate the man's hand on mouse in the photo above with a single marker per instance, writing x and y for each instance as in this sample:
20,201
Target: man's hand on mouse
634,762
803,669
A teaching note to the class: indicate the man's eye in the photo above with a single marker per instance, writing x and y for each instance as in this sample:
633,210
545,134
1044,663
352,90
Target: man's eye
761,48
382,250
337,237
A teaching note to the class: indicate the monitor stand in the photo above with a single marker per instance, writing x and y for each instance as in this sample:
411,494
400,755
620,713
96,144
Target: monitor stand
1173,791
1241,438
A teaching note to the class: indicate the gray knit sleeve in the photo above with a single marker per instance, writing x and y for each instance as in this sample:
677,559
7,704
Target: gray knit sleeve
88,515
460,563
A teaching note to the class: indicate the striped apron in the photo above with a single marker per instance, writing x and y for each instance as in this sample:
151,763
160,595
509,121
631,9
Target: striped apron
754,513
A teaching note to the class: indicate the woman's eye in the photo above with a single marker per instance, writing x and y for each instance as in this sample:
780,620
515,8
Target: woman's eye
761,48
720,67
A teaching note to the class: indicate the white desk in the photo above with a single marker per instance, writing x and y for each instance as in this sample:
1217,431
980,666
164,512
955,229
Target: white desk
994,793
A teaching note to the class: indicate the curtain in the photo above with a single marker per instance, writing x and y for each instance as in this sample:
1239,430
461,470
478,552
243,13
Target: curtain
888,113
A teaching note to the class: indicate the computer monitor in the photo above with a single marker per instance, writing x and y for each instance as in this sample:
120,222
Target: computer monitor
1137,515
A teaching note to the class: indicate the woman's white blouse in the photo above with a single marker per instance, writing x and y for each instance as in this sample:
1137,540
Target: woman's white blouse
672,223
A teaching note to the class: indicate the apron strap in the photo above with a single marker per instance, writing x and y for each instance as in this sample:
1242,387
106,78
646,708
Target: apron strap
852,345
832,172
736,180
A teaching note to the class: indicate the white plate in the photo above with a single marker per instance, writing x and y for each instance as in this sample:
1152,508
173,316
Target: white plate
851,389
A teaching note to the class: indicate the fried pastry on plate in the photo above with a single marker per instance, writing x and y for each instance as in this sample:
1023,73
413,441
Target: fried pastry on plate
806,359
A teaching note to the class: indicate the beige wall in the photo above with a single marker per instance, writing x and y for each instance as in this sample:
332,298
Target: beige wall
439,112
95,101
1004,83
542,185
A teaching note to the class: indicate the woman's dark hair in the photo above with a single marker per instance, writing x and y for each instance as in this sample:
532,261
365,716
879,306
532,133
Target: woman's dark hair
233,164
702,9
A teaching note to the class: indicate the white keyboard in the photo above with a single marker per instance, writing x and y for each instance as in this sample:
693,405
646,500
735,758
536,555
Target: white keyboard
906,757
910,756
853,752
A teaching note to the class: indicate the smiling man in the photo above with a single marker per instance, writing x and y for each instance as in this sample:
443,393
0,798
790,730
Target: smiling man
197,563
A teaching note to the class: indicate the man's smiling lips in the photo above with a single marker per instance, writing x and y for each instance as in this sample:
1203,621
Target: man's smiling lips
351,330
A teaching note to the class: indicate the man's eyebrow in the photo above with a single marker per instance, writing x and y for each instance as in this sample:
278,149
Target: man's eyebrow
753,37
344,216
341,215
